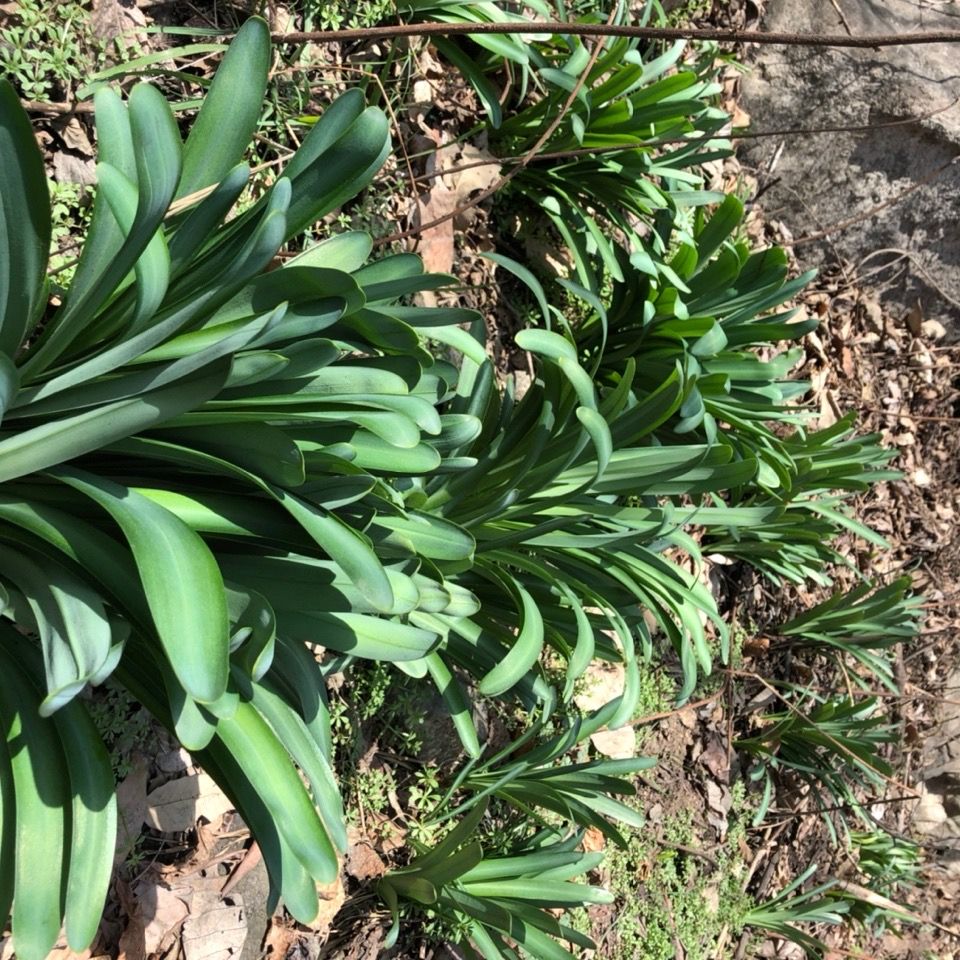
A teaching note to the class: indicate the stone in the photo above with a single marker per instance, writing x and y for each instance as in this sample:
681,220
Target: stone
823,179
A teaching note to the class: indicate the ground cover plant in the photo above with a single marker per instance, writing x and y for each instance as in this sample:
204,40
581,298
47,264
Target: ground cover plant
226,476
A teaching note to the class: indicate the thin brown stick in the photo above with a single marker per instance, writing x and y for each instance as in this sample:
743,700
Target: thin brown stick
917,264
664,714
897,414
531,153
40,106
843,19
621,30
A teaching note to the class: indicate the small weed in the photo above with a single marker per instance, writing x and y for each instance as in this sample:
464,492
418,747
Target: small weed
658,692
668,896
48,49
70,210
123,724
369,791
337,16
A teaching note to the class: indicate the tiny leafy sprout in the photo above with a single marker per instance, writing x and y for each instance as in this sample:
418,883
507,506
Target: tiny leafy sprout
48,50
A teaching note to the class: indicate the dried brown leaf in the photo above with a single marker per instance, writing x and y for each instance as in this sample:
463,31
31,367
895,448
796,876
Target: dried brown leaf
178,804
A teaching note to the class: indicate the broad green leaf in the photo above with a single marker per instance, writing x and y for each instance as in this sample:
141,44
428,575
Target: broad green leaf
41,791
181,580
57,441
266,763
75,634
93,817
231,108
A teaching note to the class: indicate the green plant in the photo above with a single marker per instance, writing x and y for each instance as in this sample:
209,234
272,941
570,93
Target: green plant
101,559
48,50
69,216
862,623
833,746
888,861
781,914
123,725
226,476
891,865
493,902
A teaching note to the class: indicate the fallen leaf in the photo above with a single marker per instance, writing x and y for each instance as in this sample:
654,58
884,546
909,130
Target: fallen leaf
74,137
715,759
112,19
131,807
332,898
131,945
933,330
278,941
436,243
161,912
593,840
476,178
601,683
70,169
363,862
422,92
174,761
250,859
216,928
178,804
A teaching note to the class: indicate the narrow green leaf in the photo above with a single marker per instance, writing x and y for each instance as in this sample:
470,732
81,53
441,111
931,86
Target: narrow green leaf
24,223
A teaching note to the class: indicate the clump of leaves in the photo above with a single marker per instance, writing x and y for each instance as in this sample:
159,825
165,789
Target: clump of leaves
833,746
818,905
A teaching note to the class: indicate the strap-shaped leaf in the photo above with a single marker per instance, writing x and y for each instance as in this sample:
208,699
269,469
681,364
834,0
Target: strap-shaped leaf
525,649
61,440
93,815
360,635
156,144
8,835
224,126
181,580
152,269
341,172
292,732
254,631
9,383
253,744
24,222
75,633
455,701
41,792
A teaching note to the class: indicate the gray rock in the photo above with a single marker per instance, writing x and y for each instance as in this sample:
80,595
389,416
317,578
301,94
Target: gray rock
828,178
